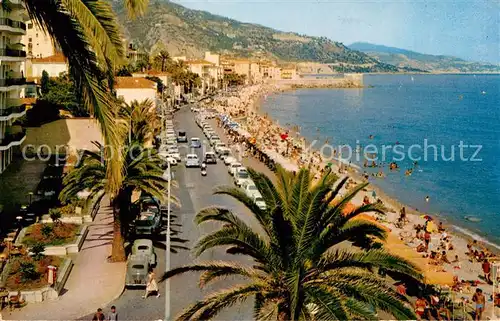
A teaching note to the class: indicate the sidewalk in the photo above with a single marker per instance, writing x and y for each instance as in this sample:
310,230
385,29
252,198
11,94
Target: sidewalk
93,282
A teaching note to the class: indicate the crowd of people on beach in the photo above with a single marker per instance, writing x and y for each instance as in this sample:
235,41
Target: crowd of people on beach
471,269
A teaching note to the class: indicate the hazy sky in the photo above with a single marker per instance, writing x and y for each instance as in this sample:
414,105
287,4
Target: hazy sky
464,28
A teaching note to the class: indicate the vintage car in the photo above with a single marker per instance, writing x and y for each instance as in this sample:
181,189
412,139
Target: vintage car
144,247
147,211
137,270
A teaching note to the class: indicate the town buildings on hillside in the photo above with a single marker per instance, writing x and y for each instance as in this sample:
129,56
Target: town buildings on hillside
12,79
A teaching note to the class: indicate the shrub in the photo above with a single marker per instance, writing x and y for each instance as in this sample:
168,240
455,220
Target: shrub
55,215
28,271
38,250
46,230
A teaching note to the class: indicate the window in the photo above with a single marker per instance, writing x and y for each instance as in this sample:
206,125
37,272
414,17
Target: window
30,25
30,39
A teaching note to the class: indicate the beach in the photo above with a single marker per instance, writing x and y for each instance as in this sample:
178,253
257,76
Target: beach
284,144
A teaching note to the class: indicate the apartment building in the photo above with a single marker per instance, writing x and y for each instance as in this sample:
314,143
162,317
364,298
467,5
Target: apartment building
37,42
12,80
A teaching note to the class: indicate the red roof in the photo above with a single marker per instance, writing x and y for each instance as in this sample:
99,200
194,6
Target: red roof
57,58
134,82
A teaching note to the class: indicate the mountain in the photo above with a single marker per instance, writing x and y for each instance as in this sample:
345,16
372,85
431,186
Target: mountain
188,32
434,63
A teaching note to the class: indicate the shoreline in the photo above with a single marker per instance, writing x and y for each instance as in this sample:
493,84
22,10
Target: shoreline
393,201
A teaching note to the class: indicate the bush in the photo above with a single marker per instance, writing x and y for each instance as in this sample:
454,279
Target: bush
28,271
46,230
55,215
38,250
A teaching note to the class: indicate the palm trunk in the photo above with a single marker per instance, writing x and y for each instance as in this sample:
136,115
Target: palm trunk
118,246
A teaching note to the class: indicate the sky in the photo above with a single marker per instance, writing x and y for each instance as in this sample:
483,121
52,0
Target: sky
468,29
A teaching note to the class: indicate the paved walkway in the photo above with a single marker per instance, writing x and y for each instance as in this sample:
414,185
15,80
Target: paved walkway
93,282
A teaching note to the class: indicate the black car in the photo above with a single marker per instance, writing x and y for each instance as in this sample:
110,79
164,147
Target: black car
210,158
181,137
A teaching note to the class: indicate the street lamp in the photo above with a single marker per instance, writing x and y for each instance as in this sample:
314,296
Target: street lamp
31,197
167,255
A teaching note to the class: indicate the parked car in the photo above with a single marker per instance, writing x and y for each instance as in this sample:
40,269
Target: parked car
195,142
233,166
228,160
214,140
240,175
137,270
259,201
210,158
249,188
218,146
192,160
145,247
182,137
149,219
224,152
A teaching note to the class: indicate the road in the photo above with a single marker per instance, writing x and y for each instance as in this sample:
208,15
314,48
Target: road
195,193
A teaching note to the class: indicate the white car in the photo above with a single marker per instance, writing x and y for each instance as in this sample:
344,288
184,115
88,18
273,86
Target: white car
249,188
232,168
240,175
224,152
214,140
259,201
174,155
218,146
171,160
192,160
229,159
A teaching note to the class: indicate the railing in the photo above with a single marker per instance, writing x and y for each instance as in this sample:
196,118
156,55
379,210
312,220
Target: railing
12,53
9,138
12,82
12,23
12,110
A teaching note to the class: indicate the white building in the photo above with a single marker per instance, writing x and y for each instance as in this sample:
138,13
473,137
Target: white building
37,42
134,88
53,65
12,80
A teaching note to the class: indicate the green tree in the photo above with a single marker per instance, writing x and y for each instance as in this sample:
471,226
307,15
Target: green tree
144,120
298,271
234,79
142,173
44,83
92,42
161,60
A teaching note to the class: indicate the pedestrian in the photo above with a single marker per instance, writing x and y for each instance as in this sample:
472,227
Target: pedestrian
151,285
487,270
480,301
99,316
113,315
427,240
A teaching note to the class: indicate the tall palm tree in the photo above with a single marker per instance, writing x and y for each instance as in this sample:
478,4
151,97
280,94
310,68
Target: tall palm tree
144,121
142,173
299,272
161,60
92,42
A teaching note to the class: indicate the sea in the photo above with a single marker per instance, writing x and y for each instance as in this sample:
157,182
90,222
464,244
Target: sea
445,129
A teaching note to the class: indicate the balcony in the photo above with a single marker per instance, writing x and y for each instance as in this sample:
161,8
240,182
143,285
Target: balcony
15,53
12,140
12,112
12,25
6,82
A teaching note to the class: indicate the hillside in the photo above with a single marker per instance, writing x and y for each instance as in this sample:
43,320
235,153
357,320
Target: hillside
434,63
191,32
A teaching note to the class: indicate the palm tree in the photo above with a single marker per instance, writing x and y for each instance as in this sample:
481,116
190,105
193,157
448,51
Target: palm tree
142,173
299,272
92,42
144,121
161,60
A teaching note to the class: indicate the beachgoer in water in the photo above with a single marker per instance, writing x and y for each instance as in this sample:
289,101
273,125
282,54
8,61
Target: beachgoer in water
427,199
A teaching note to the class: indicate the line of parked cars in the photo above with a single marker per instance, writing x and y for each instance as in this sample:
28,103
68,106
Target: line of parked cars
240,174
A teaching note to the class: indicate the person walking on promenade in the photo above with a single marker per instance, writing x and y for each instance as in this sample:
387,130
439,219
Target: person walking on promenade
113,315
151,285
99,316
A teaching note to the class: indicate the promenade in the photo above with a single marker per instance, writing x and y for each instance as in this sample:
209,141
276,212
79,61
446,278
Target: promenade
93,281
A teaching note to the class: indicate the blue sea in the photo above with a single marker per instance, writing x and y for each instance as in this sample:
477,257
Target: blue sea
448,124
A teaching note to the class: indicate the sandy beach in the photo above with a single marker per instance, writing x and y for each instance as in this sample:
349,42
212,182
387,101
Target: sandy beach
458,270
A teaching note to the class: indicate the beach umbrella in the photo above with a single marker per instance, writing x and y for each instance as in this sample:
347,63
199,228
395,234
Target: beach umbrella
284,136
426,217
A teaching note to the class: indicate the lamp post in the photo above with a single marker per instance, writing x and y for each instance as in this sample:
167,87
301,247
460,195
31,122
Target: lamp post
31,197
167,255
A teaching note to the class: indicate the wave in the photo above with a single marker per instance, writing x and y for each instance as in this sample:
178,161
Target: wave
475,236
